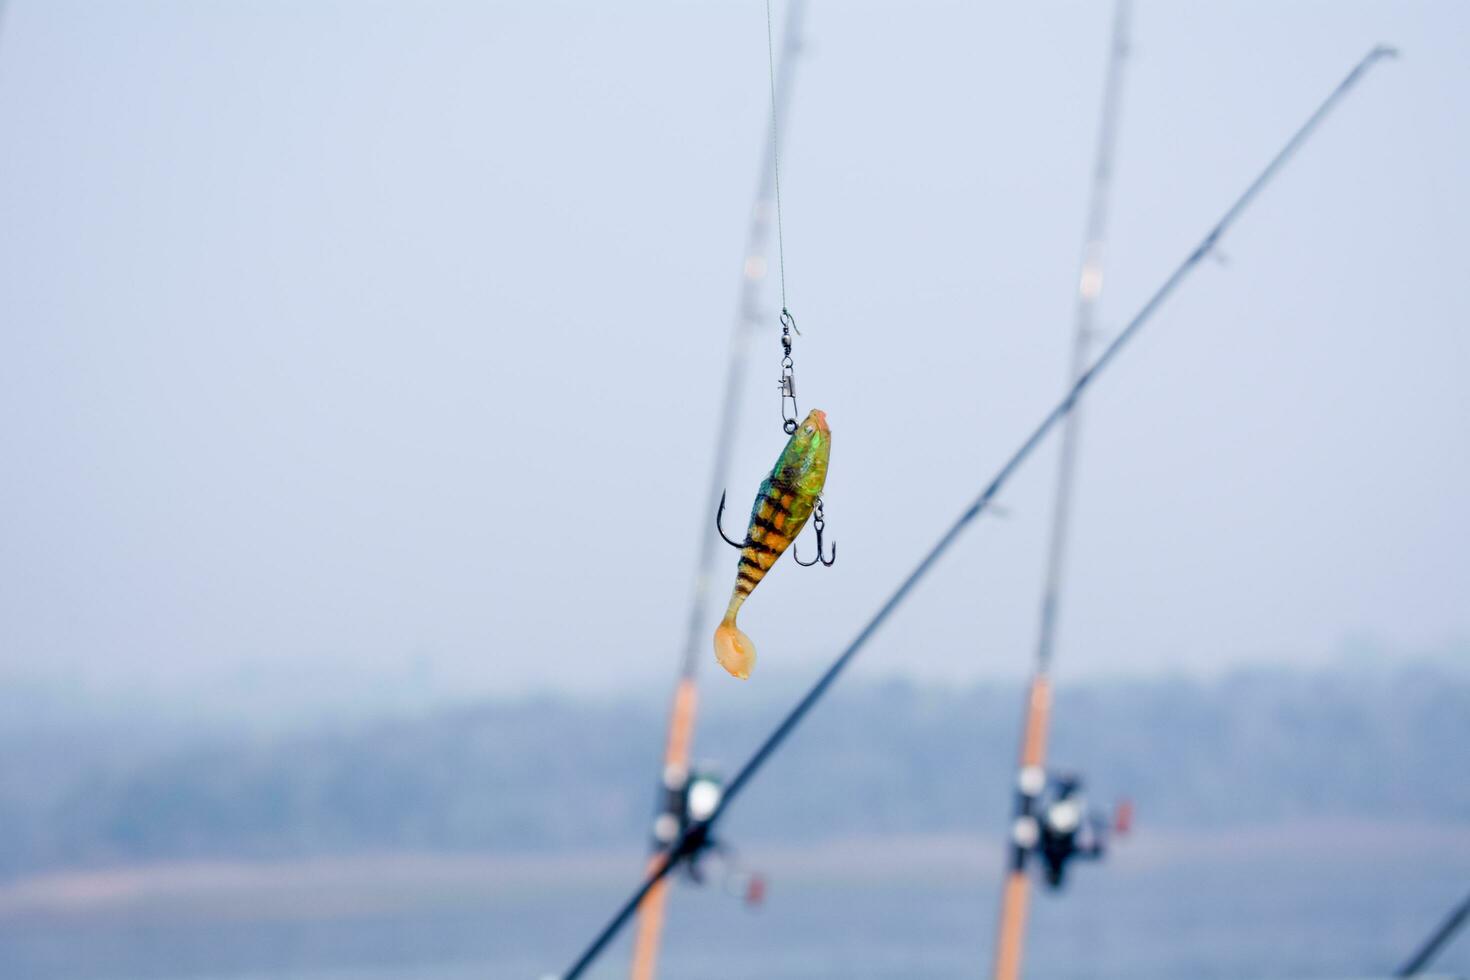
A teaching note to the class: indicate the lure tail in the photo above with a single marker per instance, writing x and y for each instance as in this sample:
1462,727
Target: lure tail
734,650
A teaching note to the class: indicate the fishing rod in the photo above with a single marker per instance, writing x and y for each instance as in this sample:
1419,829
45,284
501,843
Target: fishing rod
1026,833
1436,941
675,779
696,834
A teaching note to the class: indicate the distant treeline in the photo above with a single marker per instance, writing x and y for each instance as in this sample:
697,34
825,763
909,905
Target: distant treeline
878,758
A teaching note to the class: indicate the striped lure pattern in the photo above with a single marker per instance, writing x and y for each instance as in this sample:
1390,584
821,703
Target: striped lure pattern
782,507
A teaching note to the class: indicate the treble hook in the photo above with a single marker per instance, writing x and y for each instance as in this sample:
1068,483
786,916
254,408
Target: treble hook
819,523
720,513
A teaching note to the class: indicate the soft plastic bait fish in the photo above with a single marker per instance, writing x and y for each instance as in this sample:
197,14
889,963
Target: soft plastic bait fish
782,506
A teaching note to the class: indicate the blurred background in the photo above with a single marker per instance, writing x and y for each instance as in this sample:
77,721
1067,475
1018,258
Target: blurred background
342,345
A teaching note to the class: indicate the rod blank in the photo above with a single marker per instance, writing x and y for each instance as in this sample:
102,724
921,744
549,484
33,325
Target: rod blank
1436,942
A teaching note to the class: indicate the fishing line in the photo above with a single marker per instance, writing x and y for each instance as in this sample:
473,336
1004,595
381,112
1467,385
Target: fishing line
776,159
691,840
788,322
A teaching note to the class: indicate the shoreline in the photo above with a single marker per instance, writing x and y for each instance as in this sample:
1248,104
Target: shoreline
377,883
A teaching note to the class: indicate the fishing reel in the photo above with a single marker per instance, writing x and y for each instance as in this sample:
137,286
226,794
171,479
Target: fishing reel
688,800
1057,824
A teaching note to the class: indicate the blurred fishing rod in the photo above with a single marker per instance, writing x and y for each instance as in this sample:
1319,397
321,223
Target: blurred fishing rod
675,777
1436,941
696,834
1027,832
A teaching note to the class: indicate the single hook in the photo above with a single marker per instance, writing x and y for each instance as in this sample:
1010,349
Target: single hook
819,523
720,513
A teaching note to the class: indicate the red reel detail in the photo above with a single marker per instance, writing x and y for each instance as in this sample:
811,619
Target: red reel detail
755,891
1123,817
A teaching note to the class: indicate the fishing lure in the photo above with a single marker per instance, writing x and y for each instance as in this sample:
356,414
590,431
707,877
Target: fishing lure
783,505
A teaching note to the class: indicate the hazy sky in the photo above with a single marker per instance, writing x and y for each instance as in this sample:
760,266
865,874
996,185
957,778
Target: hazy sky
345,342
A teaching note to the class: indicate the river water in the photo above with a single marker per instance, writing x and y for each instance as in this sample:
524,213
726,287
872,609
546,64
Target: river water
1301,901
